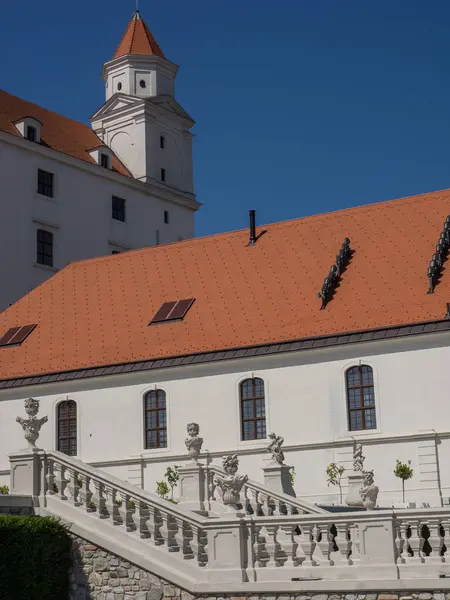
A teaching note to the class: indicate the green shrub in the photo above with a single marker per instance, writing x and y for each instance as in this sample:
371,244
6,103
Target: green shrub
35,558
4,489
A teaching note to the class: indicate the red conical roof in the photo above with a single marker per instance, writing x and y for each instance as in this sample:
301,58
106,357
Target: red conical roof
138,39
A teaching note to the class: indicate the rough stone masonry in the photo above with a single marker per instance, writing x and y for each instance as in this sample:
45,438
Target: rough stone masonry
99,575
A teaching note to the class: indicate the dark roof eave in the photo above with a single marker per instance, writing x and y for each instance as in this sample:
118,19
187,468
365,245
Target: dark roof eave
339,339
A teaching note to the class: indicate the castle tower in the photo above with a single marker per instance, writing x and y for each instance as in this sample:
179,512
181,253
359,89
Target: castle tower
141,121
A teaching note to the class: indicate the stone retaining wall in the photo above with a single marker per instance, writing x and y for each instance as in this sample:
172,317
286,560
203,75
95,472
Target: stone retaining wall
100,575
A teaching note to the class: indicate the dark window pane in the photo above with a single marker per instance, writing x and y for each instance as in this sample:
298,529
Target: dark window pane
45,183
361,394
356,420
44,247
67,427
260,408
104,161
155,419
259,387
370,418
248,409
253,409
118,208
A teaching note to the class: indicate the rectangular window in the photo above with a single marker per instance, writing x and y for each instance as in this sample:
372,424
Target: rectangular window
166,217
163,175
44,254
31,133
162,142
155,420
118,208
45,183
104,161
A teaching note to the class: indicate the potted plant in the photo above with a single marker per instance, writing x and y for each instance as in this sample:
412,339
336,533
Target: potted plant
404,472
335,473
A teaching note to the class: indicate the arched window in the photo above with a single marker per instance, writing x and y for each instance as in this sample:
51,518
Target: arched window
67,427
253,409
361,398
155,419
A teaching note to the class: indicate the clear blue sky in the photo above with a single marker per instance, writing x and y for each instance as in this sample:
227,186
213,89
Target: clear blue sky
302,106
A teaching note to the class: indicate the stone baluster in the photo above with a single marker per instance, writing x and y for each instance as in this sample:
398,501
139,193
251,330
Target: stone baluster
258,547
445,530
416,542
288,546
404,542
258,504
271,545
435,540
50,477
74,486
111,504
307,544
140,519
356,542
60,480
344,544
154,525
125,511
325,543
98,499
182,536
198,544
246,504
167,531
399,542
85,494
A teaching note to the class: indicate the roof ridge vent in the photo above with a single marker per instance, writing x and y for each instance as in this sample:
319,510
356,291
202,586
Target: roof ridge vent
439,257
334,276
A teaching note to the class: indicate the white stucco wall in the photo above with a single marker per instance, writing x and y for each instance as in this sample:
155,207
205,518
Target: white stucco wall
305,403
79,214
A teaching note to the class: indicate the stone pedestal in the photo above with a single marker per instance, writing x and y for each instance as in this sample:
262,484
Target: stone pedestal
192,486
355,484
26,476
276,477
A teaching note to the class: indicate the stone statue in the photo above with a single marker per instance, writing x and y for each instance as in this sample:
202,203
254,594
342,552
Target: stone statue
32,425
275,448
231,484
369,493
194,441
358,458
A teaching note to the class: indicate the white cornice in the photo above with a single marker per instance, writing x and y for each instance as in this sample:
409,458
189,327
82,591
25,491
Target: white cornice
153,188
137,59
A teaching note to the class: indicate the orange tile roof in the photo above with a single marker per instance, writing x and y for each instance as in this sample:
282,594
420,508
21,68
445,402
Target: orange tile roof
138,39
96,312
57,132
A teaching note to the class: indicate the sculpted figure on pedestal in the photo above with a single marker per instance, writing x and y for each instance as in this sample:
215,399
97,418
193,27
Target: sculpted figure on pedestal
358,458
32,425
369,493
194,442
275,448
231,484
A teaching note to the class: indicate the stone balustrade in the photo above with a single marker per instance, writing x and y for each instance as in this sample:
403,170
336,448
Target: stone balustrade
257,499
274,541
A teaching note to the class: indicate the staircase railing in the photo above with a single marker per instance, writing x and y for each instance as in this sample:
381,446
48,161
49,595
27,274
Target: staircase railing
236,551
258,500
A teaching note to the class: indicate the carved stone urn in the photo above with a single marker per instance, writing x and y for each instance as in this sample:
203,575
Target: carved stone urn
194,442
32,425
232,484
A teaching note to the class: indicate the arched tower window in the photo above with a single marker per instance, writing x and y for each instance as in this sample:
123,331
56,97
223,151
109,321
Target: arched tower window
253,409
361,398
155,419
67,427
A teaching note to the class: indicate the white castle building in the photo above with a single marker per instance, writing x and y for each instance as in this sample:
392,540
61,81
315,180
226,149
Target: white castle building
228,331
70,192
